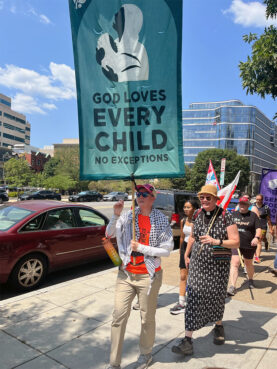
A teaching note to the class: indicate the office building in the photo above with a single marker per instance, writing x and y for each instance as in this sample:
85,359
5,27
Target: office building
14,127
231,125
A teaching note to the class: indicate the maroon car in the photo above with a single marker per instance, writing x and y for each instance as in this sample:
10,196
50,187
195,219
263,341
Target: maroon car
37,237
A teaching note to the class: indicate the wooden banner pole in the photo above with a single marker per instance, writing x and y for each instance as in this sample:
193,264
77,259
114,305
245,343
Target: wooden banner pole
133,211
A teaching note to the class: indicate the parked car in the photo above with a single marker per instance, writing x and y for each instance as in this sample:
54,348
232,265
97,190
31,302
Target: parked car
3,196
171,203
232,204
86,196
37,237
115,196
40,195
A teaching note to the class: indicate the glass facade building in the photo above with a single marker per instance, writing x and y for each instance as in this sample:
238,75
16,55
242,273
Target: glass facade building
231,125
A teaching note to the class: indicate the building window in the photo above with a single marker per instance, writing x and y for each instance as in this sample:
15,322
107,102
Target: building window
15,138
2,101
12,117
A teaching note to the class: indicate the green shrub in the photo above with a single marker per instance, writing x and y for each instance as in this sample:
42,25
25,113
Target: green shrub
15,194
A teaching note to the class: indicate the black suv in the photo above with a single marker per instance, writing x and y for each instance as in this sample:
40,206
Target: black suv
86,196
3,196
40,195
171,203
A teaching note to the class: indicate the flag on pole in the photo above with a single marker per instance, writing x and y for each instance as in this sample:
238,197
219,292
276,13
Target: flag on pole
227,192
211,177
128,75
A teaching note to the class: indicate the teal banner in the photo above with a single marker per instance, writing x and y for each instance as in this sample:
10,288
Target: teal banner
128,74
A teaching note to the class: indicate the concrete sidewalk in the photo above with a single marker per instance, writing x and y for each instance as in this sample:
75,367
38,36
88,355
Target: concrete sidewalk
68,326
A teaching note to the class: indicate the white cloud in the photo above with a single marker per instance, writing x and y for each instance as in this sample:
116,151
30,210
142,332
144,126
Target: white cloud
52,86
36,92
49,106
249,14
26,104
44,19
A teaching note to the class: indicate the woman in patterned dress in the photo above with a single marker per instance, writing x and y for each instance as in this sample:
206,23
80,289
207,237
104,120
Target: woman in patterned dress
214,234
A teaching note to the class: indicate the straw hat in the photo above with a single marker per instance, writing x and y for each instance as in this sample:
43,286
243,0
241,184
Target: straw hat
210,189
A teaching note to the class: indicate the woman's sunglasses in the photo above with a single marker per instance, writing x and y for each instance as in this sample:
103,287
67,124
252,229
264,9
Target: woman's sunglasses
143,194
208,198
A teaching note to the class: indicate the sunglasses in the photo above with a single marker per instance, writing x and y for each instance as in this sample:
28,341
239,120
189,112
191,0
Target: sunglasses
208,198
143,194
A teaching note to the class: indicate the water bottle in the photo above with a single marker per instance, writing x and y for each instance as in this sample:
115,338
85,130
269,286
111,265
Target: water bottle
111,251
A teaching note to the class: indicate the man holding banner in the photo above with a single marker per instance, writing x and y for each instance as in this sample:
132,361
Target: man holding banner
127,58
140,273
128,78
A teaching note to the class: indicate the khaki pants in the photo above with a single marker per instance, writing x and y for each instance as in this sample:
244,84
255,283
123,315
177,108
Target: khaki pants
127,287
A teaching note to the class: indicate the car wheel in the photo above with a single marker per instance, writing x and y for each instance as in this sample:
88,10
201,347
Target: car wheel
114,199
81,199
98,199
1,201
29,272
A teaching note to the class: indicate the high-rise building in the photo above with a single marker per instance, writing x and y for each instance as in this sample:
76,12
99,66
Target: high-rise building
14,128
231,125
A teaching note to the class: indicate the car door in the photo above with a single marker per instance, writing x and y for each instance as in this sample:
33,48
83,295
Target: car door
62,237
93,225
43,195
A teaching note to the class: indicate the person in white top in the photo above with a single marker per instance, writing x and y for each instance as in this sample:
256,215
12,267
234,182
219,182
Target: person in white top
190,207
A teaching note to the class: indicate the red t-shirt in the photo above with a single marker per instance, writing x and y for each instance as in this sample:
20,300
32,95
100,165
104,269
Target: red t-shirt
144,230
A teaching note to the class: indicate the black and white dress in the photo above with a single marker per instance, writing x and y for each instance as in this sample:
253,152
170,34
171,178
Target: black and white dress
208,277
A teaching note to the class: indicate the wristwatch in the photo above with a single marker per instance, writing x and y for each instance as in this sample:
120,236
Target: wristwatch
220,243
258,238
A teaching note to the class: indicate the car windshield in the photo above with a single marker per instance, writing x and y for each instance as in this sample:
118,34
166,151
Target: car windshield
11,215
83,193
112,193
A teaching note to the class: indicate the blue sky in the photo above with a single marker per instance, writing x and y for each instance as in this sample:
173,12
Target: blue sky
37,68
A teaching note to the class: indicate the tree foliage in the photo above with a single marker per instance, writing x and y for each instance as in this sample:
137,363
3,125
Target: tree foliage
259,72
18,172
271,8
234,163
68,164
60,182
184,182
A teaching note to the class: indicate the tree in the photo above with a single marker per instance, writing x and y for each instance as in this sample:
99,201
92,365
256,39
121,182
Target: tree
60,182
182,183
69,165
259,72
37,180
50,167
18,172
234,163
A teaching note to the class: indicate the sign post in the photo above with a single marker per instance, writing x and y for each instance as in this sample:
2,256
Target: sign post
222,171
